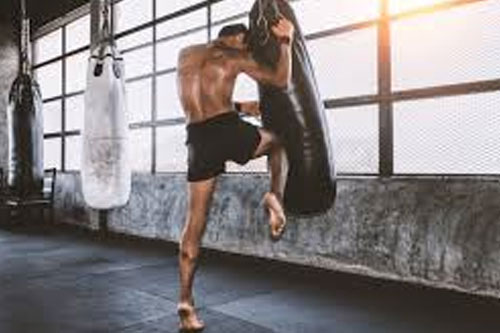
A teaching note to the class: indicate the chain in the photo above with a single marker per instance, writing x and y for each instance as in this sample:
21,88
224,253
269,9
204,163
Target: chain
105,25
265,23
262,19
25,35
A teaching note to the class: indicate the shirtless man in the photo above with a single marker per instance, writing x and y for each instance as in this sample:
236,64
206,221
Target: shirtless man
215,134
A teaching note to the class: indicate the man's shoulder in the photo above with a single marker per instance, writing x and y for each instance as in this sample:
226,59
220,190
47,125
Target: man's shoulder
193,49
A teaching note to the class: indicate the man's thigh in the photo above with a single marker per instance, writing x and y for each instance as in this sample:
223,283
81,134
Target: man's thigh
267,141
200,195
241,142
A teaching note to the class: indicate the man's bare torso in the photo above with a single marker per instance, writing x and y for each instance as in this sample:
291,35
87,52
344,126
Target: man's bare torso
206,78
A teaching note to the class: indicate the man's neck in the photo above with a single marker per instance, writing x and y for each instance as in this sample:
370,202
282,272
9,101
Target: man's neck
222,43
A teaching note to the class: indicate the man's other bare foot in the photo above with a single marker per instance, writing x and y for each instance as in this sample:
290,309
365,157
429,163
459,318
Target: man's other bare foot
277,218
189,321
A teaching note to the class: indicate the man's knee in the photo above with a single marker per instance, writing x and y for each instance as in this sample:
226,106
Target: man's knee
188,252
269,142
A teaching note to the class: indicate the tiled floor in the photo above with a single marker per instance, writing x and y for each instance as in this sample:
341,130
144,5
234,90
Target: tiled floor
63,280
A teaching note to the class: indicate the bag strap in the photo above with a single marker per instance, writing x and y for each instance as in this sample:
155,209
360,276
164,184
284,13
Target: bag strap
107,29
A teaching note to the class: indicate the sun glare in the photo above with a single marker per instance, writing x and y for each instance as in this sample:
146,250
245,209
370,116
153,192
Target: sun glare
399,6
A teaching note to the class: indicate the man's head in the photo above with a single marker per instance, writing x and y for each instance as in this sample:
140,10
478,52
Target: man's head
235,35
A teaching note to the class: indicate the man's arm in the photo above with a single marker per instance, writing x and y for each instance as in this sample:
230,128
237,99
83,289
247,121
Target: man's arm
248,108
280,77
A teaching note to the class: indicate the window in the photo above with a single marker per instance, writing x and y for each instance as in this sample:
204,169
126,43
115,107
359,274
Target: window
171,6
169,106
228,9
441,89
447,133
139,105
76,72
78,34
401,6
52,117
49,77
454,46
75,109
320,15
245,89
48,46
183,23
173,154
142,37
346,65
62,83
138,62
52,153
168,51
457,135
132,13
73,153
140,150
354,136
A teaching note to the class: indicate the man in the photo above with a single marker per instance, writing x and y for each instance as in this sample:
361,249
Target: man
215,134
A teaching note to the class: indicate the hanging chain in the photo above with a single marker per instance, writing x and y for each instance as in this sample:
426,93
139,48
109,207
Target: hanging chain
262,19
25,35
23,9
106,24
265,23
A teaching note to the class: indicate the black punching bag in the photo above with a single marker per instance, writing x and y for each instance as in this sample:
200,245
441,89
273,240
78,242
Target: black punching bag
25,126
296,115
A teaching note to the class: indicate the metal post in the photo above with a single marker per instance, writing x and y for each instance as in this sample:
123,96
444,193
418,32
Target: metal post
103,222
209,20
63,101
386,144
154,95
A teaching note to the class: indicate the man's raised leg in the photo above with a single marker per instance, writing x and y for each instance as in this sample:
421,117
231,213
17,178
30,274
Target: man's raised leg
269,145
200,196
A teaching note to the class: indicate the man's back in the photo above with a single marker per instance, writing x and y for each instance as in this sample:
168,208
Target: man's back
206,77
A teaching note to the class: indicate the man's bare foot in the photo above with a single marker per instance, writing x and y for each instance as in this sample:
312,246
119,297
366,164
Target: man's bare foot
189,321
277,218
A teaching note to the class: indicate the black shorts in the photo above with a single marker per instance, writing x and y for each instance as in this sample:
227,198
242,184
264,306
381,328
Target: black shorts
219,139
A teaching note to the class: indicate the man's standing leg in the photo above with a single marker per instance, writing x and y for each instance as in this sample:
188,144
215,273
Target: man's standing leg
200,196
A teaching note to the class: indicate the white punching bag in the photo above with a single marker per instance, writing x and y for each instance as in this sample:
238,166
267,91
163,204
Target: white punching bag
106,173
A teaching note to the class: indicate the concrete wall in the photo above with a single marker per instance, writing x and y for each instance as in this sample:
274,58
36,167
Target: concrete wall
8,72
439,232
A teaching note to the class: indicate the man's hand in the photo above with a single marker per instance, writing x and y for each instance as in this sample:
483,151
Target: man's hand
250,108
284,29
279,76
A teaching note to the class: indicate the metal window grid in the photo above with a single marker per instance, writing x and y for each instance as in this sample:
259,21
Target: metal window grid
384,98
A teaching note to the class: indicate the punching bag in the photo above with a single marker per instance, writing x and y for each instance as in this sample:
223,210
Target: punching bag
296,114
106,174
25,125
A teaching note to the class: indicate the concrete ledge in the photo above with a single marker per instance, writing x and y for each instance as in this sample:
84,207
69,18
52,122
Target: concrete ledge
439,232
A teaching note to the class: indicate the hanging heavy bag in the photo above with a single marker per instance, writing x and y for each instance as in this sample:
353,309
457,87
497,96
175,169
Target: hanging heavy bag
296,115
106,174
25,126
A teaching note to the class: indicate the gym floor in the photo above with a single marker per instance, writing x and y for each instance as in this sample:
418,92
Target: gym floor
66,280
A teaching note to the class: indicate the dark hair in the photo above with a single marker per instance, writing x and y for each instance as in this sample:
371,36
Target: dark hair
234,29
